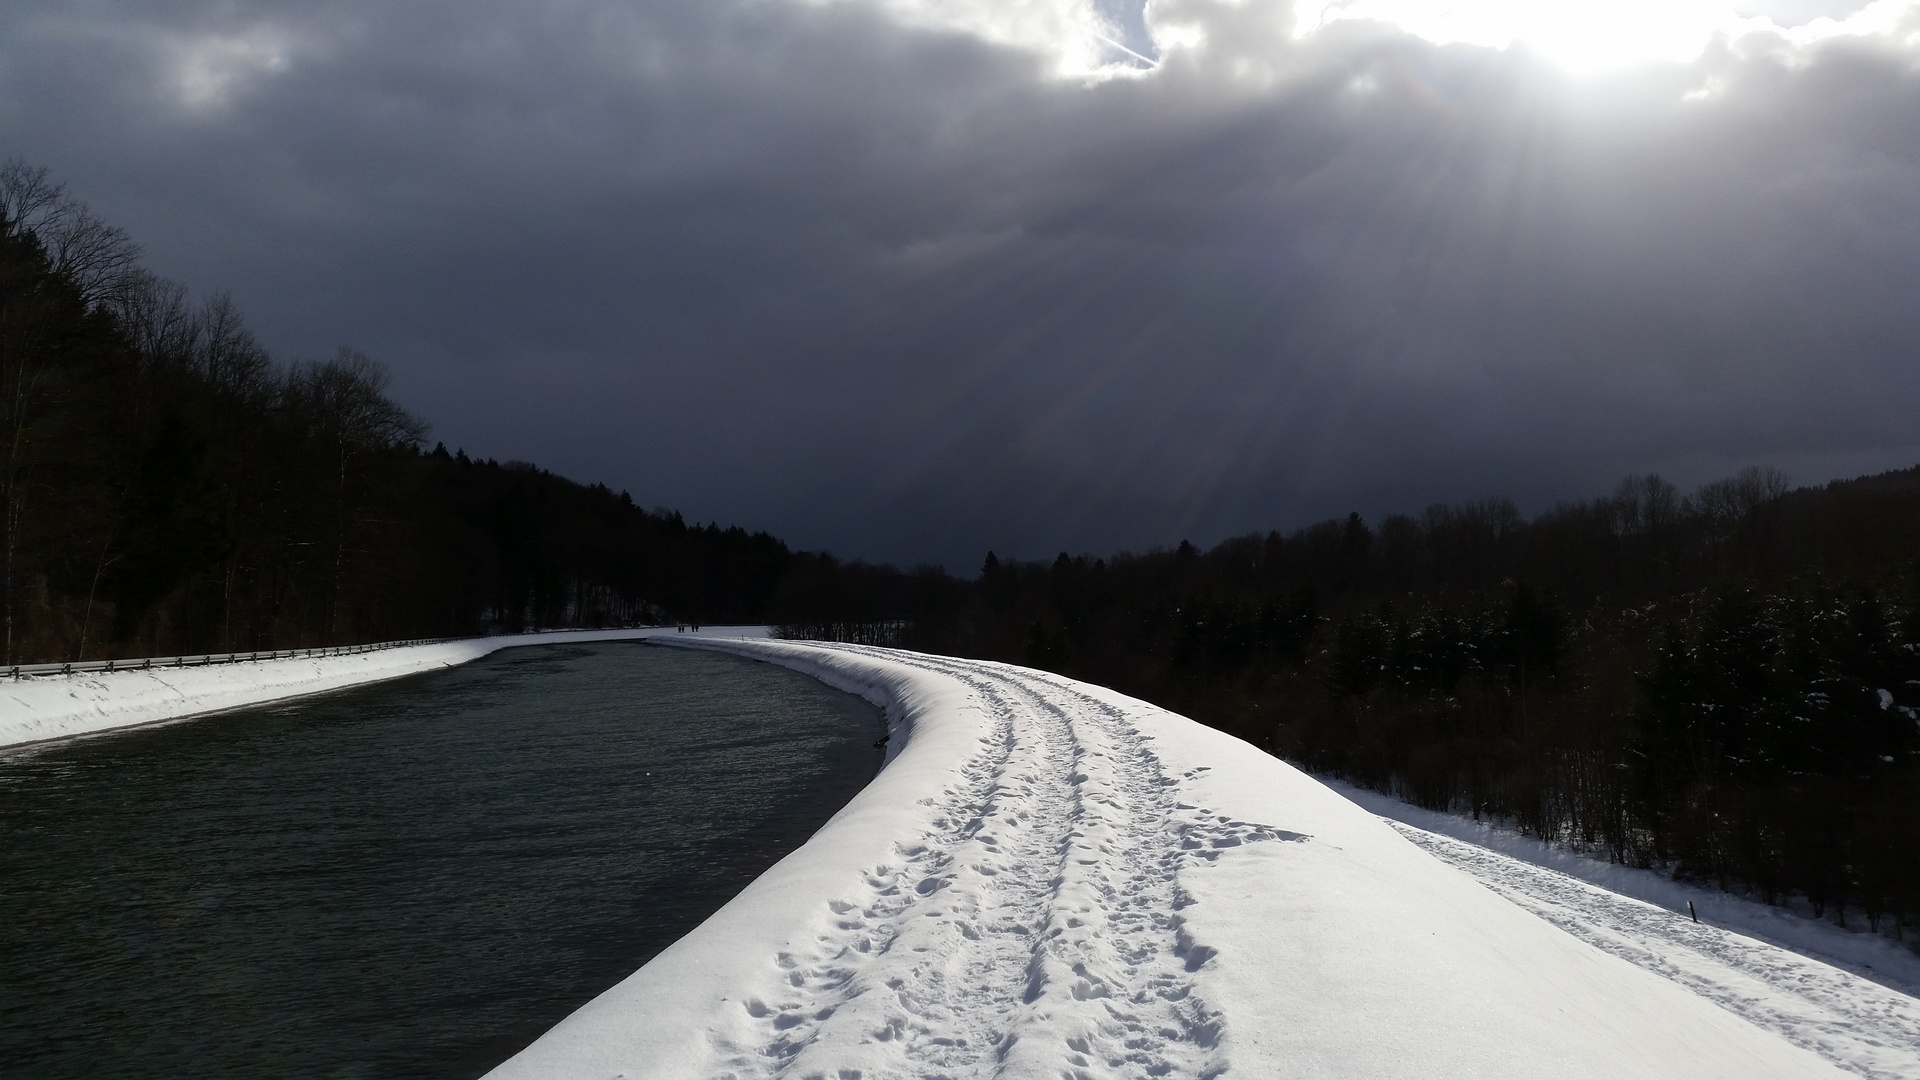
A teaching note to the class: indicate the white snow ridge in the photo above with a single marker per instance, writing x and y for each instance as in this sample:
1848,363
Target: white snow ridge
1052,880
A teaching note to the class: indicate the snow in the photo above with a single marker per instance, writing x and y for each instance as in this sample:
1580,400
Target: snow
1050,879
1756,961
38,708
1867,954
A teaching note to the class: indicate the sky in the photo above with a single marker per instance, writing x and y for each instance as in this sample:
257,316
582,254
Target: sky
913,279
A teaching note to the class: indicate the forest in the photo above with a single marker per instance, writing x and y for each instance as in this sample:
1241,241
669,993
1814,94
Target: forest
1723,683
167,488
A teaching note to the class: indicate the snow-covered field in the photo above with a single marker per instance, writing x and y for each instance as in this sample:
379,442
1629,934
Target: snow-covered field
45,707
1049,879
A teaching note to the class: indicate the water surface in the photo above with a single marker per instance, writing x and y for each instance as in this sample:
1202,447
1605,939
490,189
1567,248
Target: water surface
413,879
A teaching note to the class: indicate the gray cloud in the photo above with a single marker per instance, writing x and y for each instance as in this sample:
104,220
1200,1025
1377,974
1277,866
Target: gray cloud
903,292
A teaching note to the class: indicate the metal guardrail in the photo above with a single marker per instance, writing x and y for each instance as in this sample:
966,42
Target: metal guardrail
22,671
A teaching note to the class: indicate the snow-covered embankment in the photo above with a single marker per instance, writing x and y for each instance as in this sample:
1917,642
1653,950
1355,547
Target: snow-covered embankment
60,706
1051,879
1847,996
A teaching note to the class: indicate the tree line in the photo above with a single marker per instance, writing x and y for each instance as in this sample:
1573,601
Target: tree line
167,488
1725,684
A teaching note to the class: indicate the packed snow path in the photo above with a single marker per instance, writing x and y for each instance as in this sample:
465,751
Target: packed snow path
1052,880
1855,1023
1052,862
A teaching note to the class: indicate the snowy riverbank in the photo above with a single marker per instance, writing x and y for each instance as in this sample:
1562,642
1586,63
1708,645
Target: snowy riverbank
1051,879
45,707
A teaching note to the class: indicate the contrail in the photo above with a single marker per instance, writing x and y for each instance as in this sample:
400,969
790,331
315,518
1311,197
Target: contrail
1150,61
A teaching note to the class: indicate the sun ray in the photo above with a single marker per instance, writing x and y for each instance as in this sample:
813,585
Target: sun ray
1587,35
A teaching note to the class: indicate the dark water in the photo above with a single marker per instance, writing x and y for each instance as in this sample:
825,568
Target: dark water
408,880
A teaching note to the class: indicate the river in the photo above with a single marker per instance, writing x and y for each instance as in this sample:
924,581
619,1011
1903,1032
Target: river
412,879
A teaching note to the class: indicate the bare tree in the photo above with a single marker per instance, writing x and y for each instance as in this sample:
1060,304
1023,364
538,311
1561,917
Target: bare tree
226,353
27,197
100,259
345,401
346,398
159,320
1644,504
1738,495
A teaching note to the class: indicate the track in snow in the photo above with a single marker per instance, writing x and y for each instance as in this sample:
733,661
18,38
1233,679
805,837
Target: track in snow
1855,1023
1034,930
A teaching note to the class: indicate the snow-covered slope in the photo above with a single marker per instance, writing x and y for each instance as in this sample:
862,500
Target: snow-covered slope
59,706
1852,949
1861,1016
1053,880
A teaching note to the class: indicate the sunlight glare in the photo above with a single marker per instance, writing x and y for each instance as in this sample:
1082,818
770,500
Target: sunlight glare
1082,41
1587,35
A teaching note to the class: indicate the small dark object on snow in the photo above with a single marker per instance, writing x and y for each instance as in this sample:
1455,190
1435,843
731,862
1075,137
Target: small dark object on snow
1690,912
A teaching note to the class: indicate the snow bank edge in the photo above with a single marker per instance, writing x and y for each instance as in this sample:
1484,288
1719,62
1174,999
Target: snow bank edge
690,993
47,708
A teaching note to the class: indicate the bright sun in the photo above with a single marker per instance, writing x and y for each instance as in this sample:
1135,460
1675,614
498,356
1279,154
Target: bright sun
1591,35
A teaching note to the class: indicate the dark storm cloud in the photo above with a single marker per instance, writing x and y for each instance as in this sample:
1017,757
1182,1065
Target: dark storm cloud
905,292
